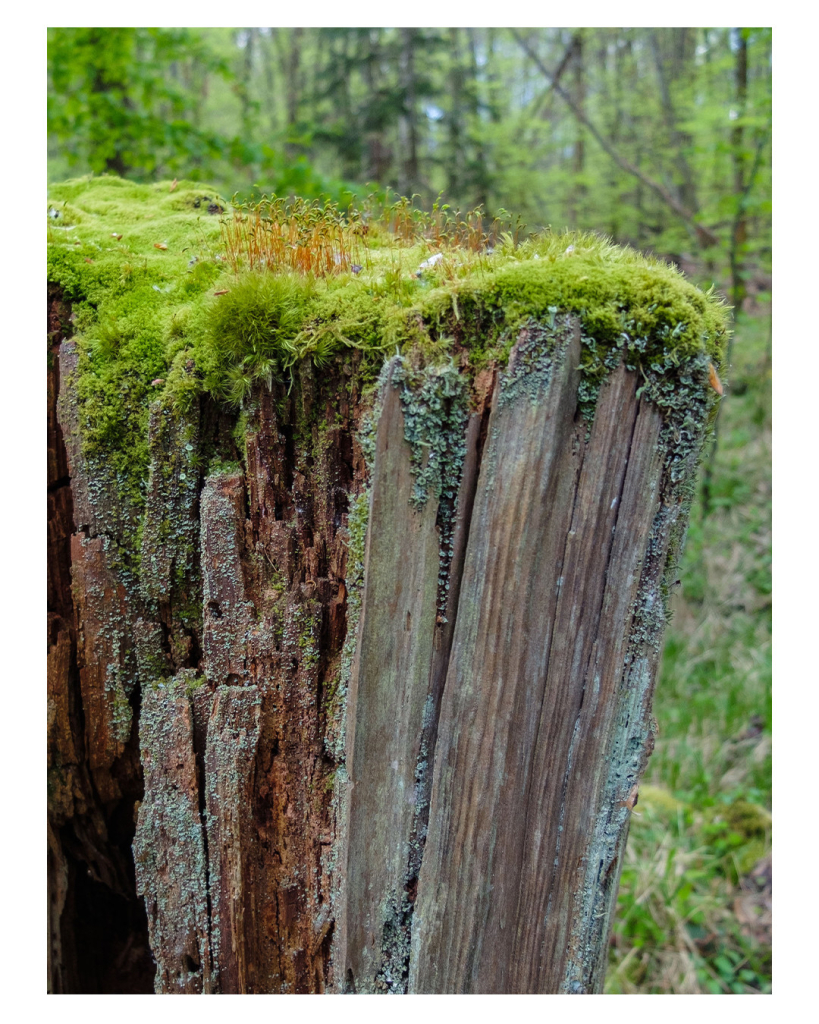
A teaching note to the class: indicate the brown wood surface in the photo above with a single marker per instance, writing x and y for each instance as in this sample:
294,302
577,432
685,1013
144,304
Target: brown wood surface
559,528
230,763
388,690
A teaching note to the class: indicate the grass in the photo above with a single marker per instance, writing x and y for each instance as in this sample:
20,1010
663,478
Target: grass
690,912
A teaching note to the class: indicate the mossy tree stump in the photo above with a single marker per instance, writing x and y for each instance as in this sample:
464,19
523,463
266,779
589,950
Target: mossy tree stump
358,659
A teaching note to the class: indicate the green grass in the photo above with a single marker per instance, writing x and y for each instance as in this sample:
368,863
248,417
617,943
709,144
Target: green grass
703,818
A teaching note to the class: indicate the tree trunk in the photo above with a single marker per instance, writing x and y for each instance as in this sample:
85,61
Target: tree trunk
378,156
289,44
366,734
456,118
740,158
408,120
578,189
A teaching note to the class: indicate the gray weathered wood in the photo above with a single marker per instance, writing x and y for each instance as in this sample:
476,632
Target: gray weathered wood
387,694
559,530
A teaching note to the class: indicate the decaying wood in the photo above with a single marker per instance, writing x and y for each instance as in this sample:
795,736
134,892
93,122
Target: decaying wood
400,767
387,695
169,846
559,532
98,940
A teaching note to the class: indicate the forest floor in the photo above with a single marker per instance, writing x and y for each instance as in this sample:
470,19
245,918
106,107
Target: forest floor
694,910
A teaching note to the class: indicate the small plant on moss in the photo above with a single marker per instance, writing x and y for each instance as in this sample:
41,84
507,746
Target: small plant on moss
324,239
301,236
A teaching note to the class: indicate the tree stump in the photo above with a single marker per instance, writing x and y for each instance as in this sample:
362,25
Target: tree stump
364,674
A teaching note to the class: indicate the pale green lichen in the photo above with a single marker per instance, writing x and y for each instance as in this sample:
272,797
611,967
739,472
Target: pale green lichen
357,520
434,401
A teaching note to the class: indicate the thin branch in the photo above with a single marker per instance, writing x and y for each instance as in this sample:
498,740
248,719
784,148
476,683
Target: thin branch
704,234
555,79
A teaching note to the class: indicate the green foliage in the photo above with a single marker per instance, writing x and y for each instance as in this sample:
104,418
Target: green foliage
249,333
675,931
114,106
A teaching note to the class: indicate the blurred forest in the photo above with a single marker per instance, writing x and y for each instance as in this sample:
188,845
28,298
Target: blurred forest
658,138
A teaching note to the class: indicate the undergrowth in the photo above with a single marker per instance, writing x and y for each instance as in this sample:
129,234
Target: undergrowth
694,904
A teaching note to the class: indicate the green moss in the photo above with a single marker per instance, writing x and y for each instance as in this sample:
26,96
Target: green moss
159,313
307,638
249,333
747,819
194,684
139,307
130,300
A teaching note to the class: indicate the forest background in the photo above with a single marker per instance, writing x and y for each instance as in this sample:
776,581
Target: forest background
658,138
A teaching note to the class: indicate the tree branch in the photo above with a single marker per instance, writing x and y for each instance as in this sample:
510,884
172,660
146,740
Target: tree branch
704,234
555,78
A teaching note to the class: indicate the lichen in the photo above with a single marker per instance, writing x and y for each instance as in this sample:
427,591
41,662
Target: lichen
169,846
357,519
435,404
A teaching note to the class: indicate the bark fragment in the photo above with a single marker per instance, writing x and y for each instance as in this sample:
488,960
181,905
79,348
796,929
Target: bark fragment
169,847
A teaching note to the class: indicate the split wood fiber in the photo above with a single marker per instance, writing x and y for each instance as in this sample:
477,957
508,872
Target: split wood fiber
523,766
388,733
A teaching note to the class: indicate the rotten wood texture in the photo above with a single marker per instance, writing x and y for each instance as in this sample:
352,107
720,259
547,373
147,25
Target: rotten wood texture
232,743
383,758
97,934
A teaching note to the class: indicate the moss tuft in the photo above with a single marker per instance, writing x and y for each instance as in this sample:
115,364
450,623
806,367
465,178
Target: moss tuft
159,313
249,333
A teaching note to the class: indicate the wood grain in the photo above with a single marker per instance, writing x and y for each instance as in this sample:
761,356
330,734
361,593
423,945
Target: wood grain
559,529
388,690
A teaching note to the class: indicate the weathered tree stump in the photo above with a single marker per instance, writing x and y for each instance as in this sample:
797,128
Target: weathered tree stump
365,674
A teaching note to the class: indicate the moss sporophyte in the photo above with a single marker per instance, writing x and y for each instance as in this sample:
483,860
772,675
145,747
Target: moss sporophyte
172,301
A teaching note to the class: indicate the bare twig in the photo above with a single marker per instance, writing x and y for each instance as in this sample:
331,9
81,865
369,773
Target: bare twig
704,235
